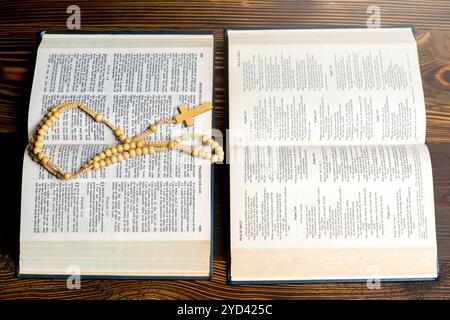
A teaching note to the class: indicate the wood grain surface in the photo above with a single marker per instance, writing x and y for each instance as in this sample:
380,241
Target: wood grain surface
21,20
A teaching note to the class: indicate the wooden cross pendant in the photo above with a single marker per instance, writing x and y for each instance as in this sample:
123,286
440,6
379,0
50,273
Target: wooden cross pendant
187,115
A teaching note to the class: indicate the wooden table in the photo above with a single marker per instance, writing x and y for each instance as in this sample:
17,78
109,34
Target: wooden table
21,20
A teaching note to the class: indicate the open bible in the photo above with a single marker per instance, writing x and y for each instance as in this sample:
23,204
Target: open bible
329,173
149,216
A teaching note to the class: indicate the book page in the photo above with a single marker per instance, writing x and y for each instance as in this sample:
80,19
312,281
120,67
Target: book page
325,86
133,81
332,196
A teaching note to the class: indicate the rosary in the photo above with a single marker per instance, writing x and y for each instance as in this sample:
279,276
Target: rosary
128,147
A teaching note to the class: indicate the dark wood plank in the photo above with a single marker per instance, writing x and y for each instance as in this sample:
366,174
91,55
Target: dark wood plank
21,20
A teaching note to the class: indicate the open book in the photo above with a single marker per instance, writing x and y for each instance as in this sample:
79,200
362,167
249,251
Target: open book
330,175
149,216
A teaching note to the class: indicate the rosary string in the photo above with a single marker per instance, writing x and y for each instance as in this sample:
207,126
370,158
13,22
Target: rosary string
128,147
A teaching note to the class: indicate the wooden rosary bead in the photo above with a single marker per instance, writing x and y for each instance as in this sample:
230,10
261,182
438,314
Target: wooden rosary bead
98,117
138,151
214,158
171,144
214,144
153,128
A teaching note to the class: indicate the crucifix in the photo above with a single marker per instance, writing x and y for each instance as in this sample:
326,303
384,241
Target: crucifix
187,115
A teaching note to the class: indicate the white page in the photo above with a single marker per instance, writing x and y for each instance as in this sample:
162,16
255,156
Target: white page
333,196
318,87
132,81
299,101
